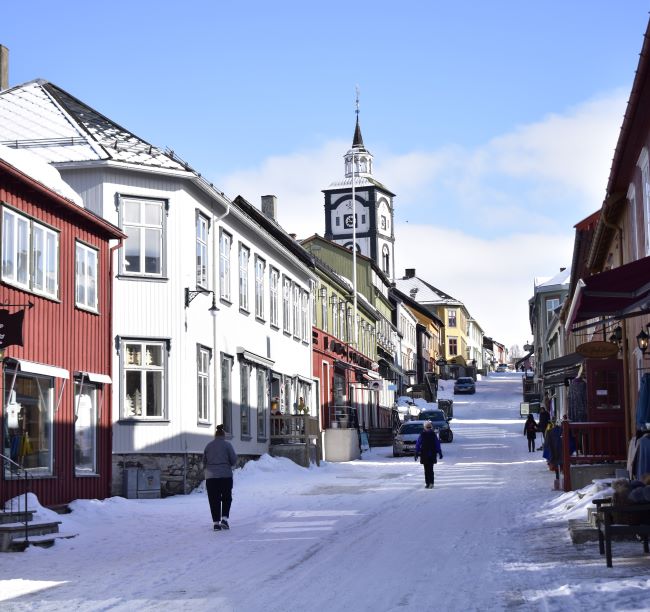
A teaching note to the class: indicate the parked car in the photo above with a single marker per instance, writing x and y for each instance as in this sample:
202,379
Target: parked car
464,384
502,367
406,437
440,423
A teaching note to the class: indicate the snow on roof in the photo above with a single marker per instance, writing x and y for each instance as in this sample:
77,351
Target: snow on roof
561,278
49,121
36,168
423,292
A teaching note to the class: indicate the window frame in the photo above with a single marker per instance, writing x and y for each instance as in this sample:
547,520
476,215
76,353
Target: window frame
274,305
452,317
125,368
260,272
203,358
161,228
225,280
244,256
262,388
202,229
286,304
82,384
86,250
244,400
453,351
227,362
24,274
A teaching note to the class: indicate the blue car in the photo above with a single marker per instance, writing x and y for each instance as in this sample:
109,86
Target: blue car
464,384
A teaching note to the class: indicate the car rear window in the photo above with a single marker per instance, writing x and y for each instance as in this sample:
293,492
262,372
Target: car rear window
432,415
411,428
465,380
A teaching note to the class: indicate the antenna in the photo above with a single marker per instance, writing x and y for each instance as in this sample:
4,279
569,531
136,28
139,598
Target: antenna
356,89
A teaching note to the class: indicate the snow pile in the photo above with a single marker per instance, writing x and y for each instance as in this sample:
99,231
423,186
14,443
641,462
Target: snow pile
34,167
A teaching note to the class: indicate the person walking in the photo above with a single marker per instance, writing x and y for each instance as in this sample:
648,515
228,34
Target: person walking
530,431
427,449
219,458
544,418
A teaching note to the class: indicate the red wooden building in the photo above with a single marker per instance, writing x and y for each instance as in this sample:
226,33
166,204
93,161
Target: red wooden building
55,414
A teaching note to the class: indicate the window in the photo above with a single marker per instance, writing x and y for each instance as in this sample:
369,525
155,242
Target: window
645,183
262,403
143,223
304,316
244,400
274,277
85,276
143,371
28,432
335,317
385,258
286,305
244,256
453,346
260,266
202,225
551,305
226,392
631,197
225,242
86,416
30,254
451,318
203,384
296,310
323,307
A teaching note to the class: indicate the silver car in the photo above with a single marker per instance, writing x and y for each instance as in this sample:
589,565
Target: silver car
405,439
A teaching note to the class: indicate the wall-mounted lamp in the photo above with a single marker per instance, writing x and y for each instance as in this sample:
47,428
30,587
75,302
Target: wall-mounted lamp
333,300
642,341
617,335
323,293
190,295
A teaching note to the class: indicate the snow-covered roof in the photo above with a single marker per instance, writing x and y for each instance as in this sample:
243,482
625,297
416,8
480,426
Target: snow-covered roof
561,278
60,128
36,168
422,292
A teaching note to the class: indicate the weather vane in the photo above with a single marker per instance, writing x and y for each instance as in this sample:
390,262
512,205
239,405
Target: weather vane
357,100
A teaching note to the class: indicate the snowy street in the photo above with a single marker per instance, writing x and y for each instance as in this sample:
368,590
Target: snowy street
364,535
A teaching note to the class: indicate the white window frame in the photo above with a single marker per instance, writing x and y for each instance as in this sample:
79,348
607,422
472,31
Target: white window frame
323,311
261,379
550,304
141,231
304,316
452,313
260,270
286,305
295,302
86,276
23,234
227,362
202,260
203,357
134,407
244,258
631,198
244,400
274,308
643,164
225,246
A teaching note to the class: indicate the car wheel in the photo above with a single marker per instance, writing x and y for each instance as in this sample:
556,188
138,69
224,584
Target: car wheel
449,437
396,454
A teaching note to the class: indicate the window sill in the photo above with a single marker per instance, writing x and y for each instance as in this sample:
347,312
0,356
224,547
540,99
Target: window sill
261,320
225,300
140,421
263,440
203,424
244,311
274,326
81,475
138,277
92,311
245,438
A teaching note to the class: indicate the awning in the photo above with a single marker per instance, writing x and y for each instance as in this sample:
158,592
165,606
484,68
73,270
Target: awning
392,366
556,371
619,293
94,377
40,368
253,358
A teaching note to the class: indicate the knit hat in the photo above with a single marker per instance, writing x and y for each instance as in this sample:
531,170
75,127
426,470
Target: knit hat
428,425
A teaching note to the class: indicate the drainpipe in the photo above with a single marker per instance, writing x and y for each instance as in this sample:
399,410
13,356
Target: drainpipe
119,245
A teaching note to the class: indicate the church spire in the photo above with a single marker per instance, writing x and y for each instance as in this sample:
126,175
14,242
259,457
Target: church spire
357,141
358,154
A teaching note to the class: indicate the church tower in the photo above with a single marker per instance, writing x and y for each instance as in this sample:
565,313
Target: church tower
375,237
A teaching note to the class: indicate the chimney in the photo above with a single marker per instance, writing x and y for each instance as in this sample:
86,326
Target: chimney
270,206
4,68
409,273
562,269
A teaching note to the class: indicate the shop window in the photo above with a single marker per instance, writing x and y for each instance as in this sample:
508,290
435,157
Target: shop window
27,424
262,403
86,416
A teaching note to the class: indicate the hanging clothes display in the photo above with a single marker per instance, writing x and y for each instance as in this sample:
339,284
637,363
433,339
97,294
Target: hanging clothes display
643,403
643,456
578,400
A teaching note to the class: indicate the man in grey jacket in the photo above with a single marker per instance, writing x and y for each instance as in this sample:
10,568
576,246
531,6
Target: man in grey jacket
219,458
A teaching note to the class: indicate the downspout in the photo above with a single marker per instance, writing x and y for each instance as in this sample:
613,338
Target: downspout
624,340
215,258
119,245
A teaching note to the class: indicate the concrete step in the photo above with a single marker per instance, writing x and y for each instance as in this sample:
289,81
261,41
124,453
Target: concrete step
10,531
19,544
15,516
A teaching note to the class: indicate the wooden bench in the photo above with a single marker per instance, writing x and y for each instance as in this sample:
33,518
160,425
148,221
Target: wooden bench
630,520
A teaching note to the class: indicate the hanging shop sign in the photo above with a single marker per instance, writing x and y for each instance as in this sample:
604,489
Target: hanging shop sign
598,349
11,328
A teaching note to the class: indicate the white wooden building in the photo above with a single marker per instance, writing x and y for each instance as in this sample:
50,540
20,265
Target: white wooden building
177,370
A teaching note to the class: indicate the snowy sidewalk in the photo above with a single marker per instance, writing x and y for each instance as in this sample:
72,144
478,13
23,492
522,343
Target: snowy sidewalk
364,535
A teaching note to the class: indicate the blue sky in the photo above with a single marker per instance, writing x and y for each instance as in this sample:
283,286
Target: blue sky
493,122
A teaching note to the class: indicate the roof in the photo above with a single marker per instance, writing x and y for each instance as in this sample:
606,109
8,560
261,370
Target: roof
561,278
424,293
411,303
44,118
359,181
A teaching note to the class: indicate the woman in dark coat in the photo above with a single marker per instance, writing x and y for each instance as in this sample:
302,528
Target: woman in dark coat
530,431
219,458
427,448
544,418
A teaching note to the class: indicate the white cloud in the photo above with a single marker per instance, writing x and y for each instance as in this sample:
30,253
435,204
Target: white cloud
478,223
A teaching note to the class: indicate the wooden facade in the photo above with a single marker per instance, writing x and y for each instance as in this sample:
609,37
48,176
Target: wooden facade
64,338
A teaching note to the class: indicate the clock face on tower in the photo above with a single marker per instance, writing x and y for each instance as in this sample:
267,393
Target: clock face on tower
348,221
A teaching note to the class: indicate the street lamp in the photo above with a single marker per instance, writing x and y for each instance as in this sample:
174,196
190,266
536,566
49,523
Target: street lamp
190,295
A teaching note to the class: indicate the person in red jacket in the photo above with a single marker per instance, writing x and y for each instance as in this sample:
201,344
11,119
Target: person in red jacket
427,449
